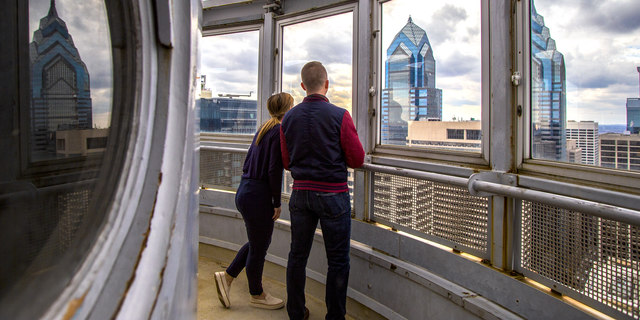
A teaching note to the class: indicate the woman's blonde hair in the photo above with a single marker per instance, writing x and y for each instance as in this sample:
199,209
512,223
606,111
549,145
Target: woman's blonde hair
278,104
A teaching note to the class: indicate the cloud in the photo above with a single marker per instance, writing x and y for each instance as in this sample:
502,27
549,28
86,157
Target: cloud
457,64
444,21
618,16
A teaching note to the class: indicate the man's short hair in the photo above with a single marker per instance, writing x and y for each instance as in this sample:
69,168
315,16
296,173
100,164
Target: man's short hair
313,75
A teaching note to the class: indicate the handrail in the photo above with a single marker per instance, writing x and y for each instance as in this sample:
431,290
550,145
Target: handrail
606,211
223,149
475,186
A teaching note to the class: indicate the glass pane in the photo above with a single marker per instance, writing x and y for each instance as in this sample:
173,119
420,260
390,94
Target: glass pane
229,83
71,80
48,203
425,41
309,41
584,82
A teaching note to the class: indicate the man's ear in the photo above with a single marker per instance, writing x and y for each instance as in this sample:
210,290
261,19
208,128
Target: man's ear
326,84
302,85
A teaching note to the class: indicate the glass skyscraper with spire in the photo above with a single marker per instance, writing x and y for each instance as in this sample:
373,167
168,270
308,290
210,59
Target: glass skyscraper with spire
60,92
548,93
410,92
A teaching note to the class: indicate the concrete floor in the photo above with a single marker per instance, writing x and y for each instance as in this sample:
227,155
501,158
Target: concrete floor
214,259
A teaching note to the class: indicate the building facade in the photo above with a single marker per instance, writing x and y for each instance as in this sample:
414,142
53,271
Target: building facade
633,115
620,151
451,135
410,92
585,133
228,115
60,91
548,93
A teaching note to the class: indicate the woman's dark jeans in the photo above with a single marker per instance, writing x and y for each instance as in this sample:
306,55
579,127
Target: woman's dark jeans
253,200
334,212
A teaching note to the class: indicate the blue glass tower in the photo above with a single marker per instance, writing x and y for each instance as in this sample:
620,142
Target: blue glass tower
633,115
548,93
226,115
410,92
60,93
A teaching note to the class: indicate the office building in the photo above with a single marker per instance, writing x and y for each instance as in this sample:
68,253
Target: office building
228,115
410,92
620,151
60,92
548,93
452,135
574,154
585,133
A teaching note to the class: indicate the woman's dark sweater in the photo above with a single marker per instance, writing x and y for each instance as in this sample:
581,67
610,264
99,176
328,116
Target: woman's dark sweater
264,162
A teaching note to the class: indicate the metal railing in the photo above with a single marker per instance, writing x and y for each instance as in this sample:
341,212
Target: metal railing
587,250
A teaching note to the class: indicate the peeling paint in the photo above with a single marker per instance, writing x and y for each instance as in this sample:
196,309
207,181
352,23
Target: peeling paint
73,307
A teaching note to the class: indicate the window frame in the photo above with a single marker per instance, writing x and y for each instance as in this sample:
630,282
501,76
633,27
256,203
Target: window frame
73,166
481,158
598,177
261,115
287,20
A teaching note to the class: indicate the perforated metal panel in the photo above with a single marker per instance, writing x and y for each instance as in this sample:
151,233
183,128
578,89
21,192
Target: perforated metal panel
440,211
582,255
221,170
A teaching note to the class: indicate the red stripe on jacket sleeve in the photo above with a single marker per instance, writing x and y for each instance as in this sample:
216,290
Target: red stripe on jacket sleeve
351,146
284,150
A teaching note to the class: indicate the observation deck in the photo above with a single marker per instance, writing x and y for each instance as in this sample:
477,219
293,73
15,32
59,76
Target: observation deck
496,183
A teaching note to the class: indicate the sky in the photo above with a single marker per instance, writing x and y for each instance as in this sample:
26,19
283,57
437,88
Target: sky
310,41
230,63
600,41
87,24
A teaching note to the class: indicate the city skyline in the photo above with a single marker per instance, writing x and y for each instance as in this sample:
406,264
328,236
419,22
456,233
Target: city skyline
596,94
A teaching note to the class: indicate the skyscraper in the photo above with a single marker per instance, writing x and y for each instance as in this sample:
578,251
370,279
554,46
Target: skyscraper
633,115
548,93
60,93
410,92
585,133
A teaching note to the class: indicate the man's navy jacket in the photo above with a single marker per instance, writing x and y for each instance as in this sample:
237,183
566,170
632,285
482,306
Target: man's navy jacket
318,141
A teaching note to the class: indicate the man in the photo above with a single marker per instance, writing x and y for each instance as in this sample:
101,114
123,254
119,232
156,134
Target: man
318,142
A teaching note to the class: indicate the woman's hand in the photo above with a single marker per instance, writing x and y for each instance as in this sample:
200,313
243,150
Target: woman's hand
276,213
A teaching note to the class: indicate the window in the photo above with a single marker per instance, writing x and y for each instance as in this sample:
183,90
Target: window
310,41
65,82
60,145
97,143
473,135
430,71
568,94
229,83
455,134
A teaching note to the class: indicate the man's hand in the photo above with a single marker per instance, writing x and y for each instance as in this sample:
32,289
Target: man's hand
276,213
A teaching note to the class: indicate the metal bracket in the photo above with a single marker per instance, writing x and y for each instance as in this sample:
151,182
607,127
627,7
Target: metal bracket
493,177
274,6
515,78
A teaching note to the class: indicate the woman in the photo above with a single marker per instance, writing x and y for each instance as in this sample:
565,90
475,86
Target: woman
258,200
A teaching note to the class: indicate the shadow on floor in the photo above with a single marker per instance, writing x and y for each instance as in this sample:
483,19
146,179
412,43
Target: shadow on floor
209,307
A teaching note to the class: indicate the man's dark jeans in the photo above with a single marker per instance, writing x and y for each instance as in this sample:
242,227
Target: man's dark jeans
334,212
